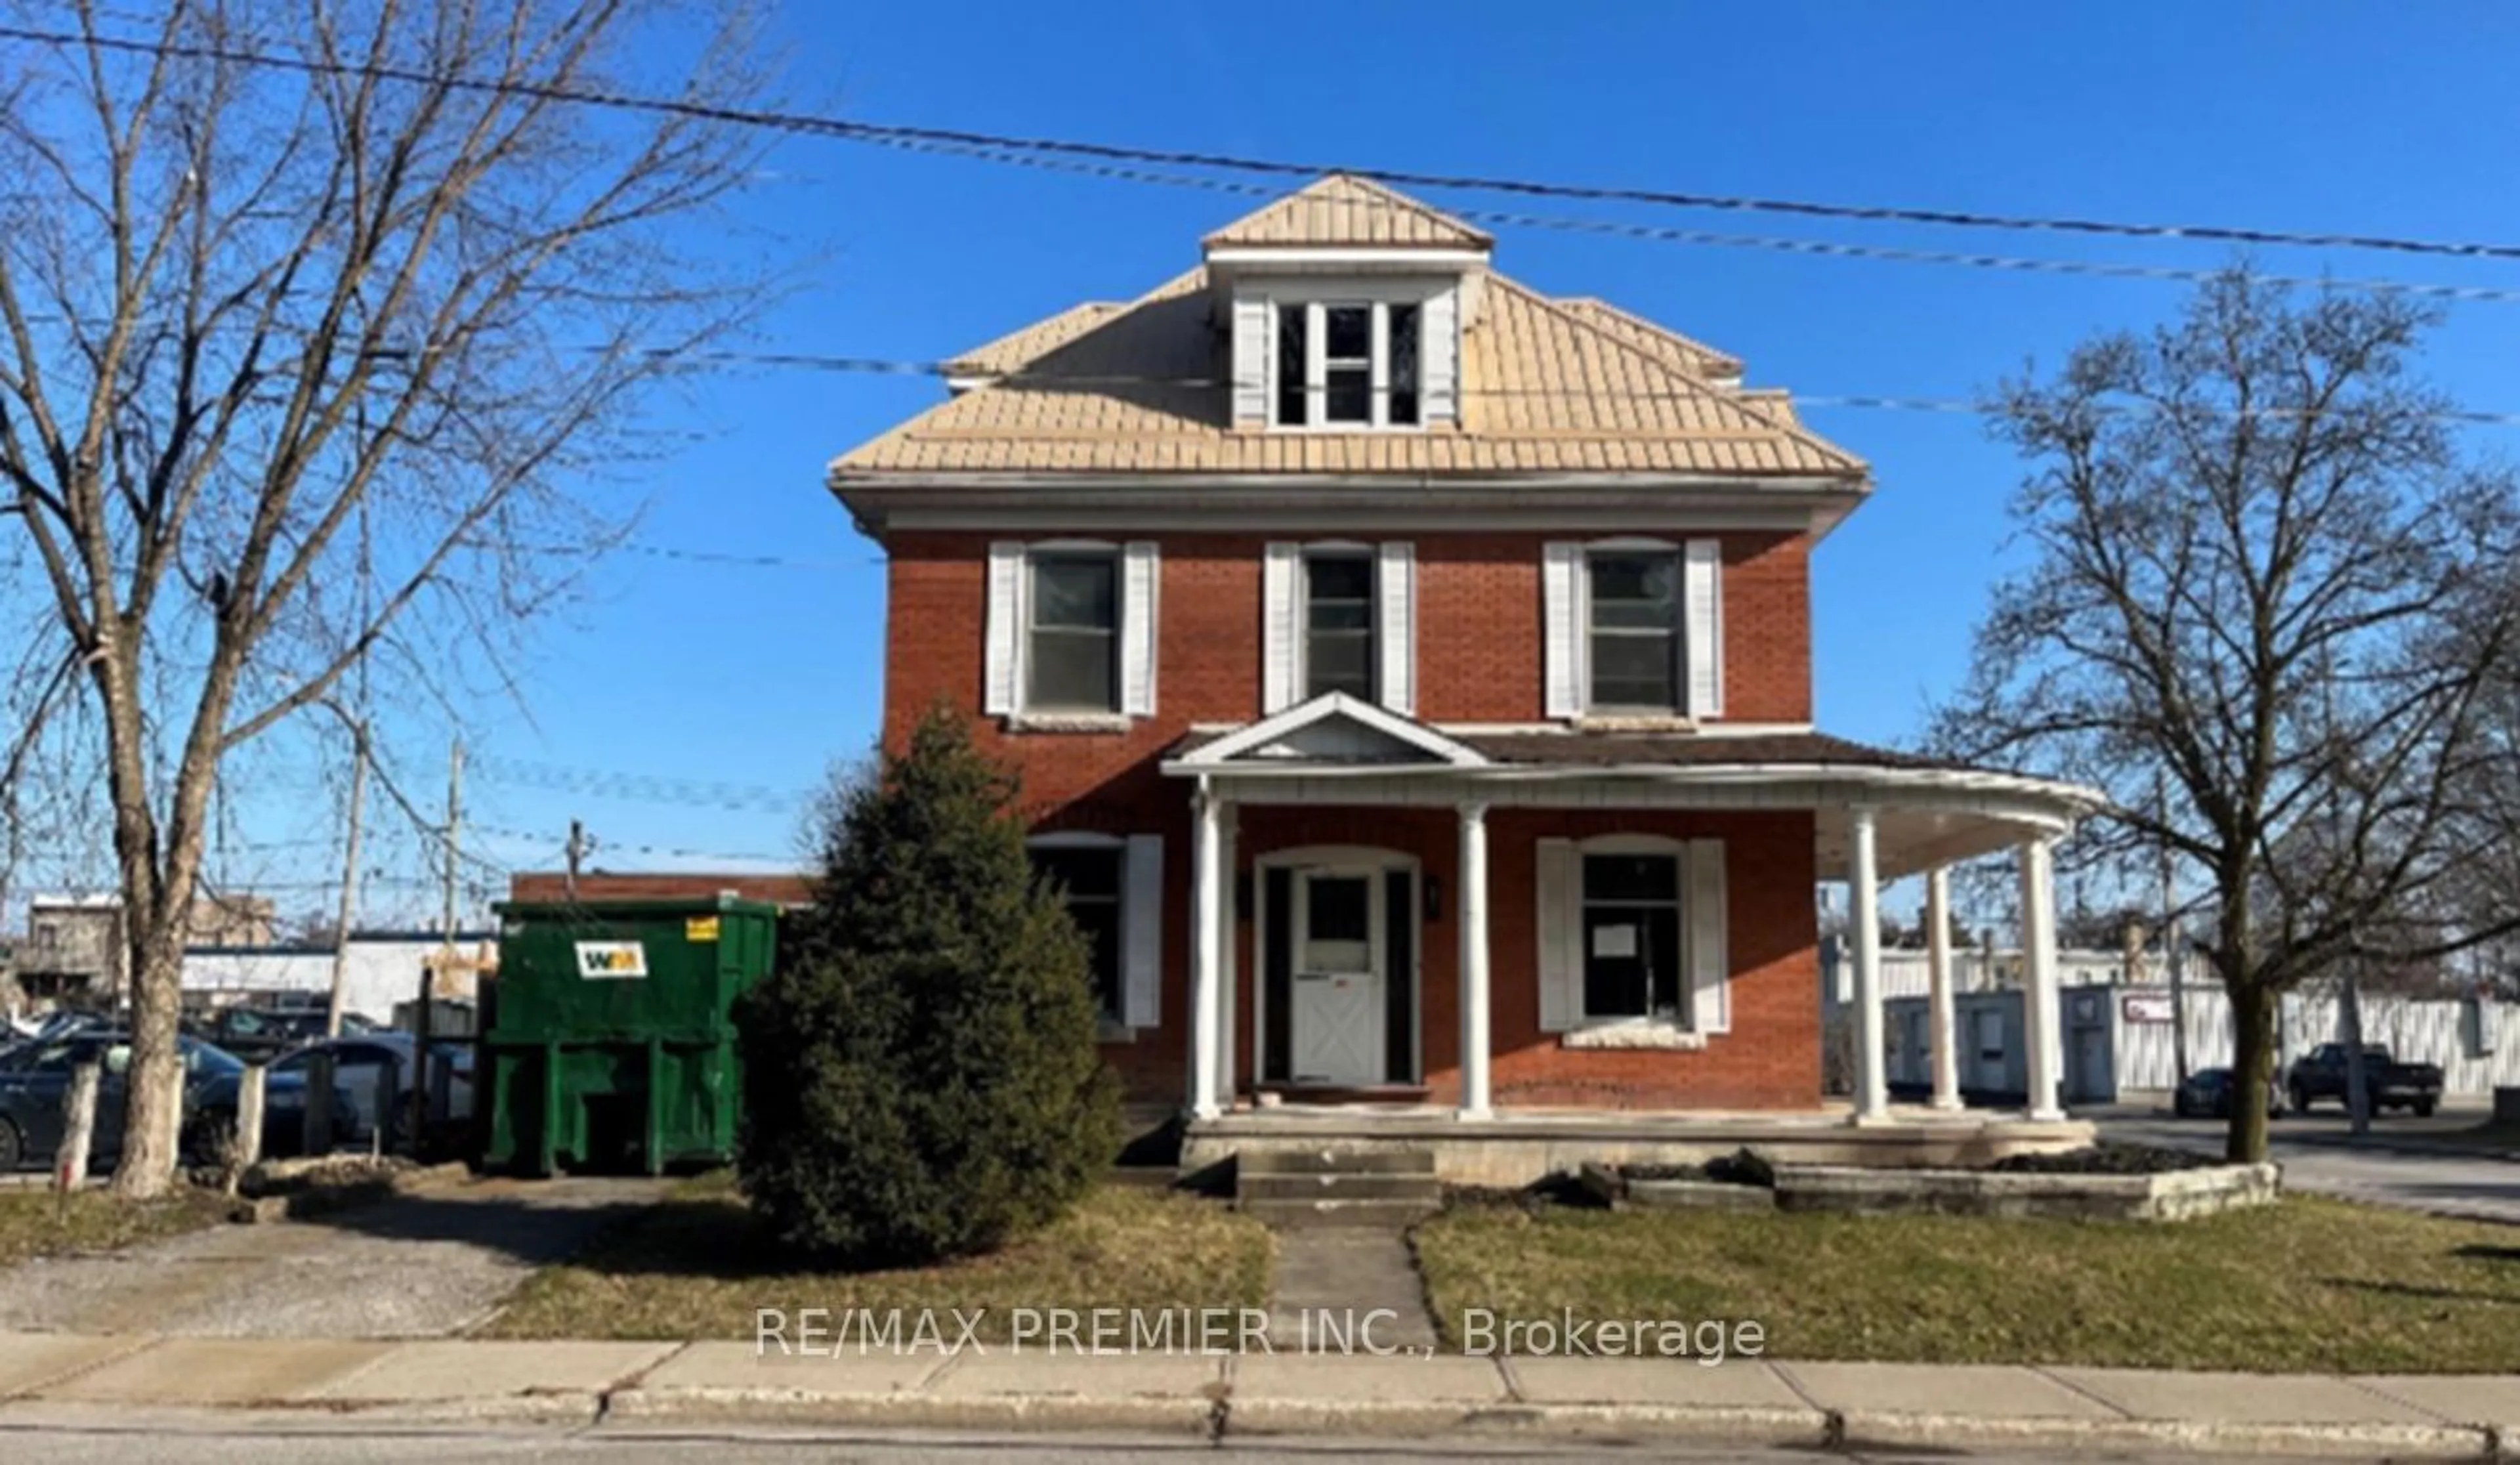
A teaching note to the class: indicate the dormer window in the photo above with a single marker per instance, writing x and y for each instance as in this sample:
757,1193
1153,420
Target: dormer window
1348,363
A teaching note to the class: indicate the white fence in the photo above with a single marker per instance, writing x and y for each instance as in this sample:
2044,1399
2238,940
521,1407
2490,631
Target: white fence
380,971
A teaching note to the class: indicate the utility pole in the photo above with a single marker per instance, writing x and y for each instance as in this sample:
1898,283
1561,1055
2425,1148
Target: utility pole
348,911
454,835
447,957
2173,959
578,844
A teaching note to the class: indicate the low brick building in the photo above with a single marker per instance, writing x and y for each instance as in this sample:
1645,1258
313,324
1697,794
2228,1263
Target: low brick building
1411,677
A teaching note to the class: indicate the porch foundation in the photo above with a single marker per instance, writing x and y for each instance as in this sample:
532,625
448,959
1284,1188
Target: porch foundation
1514,1148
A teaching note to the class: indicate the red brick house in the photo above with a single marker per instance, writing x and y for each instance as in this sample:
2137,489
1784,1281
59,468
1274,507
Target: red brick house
1410,673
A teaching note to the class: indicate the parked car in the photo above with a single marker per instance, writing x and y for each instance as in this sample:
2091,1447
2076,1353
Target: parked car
261,1030
361,1065
2321,1075
36,1085
2207,1094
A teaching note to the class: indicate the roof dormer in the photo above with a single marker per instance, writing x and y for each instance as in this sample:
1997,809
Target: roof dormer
1346,304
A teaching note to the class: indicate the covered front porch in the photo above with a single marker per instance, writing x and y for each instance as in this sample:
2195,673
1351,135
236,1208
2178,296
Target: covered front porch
1531,943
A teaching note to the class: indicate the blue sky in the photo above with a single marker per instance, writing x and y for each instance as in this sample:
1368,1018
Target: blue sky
2378,118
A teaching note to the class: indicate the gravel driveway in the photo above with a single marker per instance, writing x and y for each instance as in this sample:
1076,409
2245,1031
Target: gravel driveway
415,1267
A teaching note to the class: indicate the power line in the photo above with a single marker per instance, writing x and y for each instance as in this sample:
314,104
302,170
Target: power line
638,787
1660,234
895,134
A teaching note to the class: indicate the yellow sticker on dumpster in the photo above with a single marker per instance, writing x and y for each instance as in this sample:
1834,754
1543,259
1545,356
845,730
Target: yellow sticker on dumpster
701,928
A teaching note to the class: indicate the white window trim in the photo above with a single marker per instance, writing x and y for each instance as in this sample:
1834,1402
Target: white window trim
1379,300
1632,1030
1108,1027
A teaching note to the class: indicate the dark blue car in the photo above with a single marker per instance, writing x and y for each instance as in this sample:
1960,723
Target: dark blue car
36,1085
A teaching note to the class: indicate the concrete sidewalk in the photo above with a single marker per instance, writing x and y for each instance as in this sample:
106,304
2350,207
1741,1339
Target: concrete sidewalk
649,1386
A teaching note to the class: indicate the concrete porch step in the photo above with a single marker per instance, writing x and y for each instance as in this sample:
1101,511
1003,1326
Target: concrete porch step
1357,1161
1378,1213
1349,1185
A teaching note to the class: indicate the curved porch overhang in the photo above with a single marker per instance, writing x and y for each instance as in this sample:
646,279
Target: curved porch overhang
1923,819
1338,750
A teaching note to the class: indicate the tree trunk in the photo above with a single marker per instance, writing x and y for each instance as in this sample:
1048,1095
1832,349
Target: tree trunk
2253,1058
154,1115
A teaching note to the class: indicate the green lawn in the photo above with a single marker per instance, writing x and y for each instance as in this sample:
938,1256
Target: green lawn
36,1223
699,1266
2304,1285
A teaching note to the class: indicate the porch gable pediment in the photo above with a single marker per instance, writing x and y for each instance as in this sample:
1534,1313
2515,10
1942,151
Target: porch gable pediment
1332,728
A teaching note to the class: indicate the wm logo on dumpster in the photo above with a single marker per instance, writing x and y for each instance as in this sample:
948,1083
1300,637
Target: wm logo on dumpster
604,959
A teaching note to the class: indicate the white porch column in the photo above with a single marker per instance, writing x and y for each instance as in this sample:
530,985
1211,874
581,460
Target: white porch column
2042,1031
1940,1019
1206,948
1864,938
1472,900
1229,919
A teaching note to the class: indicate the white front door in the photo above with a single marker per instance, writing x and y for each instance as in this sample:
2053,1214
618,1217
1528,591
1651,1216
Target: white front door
1338,936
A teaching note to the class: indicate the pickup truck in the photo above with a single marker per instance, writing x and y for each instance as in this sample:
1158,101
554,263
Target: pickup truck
2321,1075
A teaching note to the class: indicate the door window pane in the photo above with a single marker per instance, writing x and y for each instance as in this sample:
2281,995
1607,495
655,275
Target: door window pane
1075,633
1338,922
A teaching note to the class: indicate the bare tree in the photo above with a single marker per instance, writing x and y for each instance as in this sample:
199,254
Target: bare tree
271,264
2262,573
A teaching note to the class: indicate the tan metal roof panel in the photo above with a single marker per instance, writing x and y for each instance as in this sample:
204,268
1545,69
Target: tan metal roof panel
1345,211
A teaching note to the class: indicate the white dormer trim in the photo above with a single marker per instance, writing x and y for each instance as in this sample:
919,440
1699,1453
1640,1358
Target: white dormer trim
1329,704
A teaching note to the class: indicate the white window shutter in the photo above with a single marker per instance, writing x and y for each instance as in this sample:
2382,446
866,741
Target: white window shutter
1702,594
1561,582
1140,569
1280,611
1141,944
1002,693
1253,323
1710,949
1395,631
1560,956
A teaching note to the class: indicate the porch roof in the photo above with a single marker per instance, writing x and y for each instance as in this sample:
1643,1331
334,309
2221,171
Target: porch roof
1337,749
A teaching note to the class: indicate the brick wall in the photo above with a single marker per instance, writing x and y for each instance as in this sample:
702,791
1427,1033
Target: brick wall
1478,642
1478,661
1771,1059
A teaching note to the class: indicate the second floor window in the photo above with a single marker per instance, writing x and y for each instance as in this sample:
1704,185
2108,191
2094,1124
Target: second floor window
1635,632
1074,655
1338,625
1348,364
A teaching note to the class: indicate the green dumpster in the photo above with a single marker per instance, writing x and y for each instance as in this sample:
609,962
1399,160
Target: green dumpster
611,1044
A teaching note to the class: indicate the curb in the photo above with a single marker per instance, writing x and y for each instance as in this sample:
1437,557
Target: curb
1182,1415
1861,1430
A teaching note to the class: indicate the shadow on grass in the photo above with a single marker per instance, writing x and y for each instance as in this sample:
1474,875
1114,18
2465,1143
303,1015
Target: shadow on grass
2480,1251
2426,1293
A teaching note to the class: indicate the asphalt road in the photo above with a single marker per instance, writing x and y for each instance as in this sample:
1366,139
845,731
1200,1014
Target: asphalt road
185,1444
2320,1155
416,1267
